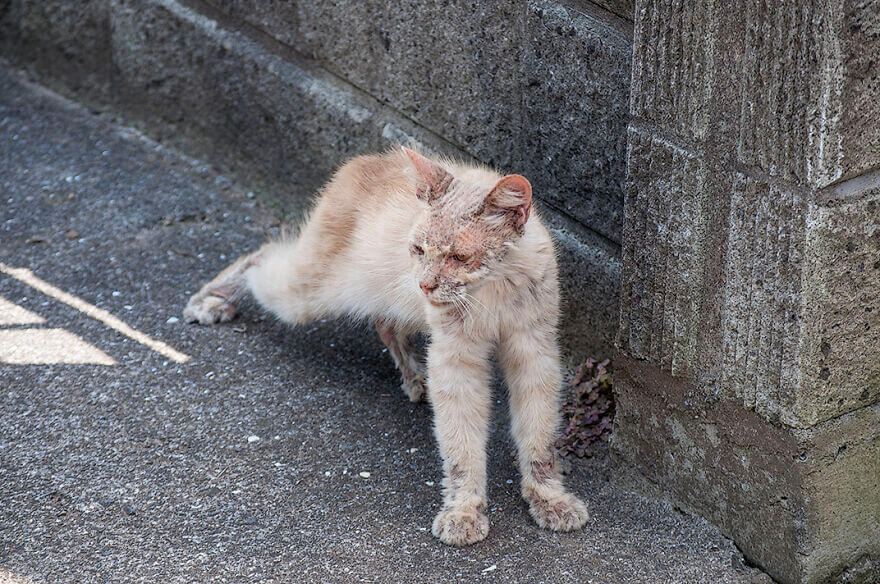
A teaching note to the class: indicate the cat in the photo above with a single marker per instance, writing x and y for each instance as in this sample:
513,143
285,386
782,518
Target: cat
453,250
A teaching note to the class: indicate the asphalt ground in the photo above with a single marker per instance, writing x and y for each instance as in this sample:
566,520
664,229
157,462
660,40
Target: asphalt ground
248,462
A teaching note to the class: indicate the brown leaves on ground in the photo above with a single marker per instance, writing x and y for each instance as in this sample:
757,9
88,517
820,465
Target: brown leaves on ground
588,411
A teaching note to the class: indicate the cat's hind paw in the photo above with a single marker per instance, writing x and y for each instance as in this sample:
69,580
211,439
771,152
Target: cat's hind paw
209,309
415,389
458,527
559,512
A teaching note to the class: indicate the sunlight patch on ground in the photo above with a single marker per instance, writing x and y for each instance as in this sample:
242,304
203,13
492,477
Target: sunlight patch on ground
13,314
7,577
45,346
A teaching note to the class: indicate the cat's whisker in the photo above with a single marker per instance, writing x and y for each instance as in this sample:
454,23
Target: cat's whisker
466,304
476,300
472,301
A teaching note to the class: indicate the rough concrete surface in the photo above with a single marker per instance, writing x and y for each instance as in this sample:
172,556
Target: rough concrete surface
270,118
803,503
747,377
451,66
575,71
841,309
513,84
801,103
146,471
69,42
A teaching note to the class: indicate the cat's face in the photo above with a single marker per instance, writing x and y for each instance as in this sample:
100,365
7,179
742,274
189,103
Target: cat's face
465,231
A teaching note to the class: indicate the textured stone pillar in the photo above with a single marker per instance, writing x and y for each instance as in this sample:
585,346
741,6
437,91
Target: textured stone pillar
748,379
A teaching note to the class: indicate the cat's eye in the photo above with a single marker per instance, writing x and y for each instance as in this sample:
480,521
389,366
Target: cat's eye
461,257
417,250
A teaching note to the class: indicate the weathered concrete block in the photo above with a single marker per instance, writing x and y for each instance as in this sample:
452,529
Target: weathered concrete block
811,94
460,80
790,89
800,316
783,130
755,289
839,360
589,277
274,121
674,62
663,255
804,504
674,255
67,44
576,74
748,379
762,312
858,129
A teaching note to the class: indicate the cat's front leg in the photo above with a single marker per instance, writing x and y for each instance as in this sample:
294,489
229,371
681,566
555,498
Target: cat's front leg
530,361
458,388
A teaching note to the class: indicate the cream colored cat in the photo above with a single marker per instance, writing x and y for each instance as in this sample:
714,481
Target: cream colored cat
452,250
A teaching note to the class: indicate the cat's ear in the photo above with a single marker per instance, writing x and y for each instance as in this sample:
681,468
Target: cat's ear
510,201
437,179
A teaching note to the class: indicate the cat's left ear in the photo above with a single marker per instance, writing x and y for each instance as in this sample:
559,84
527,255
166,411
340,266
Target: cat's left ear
510,201
436,178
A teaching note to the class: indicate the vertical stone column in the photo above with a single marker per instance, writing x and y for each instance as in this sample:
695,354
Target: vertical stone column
748,374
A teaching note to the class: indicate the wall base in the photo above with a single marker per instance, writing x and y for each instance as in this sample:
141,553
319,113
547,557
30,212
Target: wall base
782,494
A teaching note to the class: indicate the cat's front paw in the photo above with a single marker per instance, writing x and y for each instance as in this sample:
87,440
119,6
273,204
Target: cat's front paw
209,309
415,389
558,511
460,526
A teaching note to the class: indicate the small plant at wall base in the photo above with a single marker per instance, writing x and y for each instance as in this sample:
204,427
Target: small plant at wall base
588,410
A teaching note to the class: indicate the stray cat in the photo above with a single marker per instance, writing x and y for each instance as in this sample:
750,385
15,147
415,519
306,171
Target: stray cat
452,250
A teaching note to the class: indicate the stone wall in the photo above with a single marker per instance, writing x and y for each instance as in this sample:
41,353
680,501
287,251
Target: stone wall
280,93
748,375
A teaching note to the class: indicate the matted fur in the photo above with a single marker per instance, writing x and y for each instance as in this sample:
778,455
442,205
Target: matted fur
448,249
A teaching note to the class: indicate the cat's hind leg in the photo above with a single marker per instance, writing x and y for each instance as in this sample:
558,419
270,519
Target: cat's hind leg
405,357
218,300
531,366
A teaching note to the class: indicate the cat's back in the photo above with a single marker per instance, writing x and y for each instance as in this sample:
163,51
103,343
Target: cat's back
356,238
367,183
368,198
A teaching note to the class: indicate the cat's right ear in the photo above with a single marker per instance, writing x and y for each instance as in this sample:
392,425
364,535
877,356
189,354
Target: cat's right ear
436,178
510,202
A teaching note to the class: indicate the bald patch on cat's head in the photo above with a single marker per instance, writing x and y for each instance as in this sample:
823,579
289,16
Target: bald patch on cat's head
469,225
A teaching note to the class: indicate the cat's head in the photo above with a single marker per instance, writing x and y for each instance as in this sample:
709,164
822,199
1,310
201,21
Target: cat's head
467,228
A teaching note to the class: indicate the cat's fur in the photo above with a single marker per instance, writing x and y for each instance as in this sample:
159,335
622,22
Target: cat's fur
452,250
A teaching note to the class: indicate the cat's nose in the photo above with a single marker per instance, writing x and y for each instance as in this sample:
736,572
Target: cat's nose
426,288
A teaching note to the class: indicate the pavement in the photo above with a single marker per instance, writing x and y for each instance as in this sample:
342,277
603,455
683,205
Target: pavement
272,454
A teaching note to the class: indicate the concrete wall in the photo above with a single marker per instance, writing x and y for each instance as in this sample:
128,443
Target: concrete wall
279,93
748,376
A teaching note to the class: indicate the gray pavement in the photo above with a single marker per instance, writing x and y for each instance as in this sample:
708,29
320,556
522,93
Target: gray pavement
242,464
